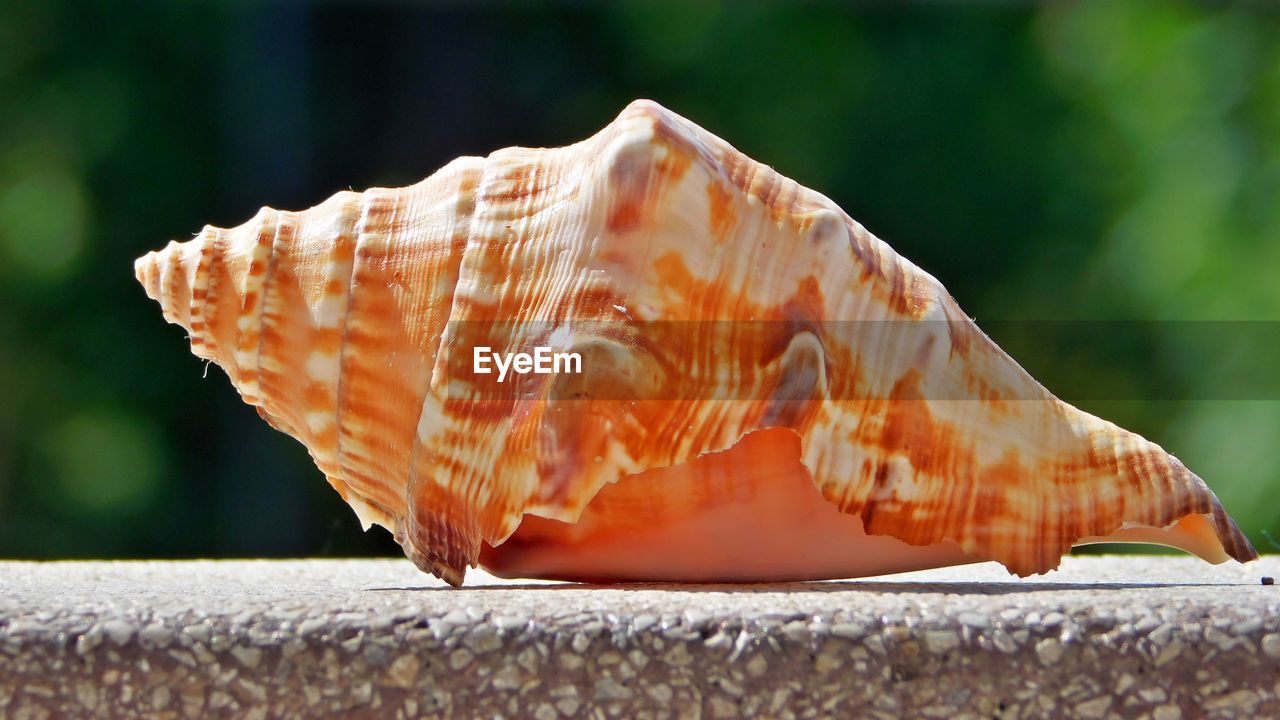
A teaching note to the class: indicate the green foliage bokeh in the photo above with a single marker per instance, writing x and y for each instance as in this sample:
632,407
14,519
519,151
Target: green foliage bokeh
1064,162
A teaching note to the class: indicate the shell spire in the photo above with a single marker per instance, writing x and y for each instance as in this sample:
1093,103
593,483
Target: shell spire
766,390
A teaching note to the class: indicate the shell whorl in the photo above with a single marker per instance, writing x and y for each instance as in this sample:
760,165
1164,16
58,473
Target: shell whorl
338,323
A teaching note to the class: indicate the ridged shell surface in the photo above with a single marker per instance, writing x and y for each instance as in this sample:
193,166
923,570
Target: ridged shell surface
709,298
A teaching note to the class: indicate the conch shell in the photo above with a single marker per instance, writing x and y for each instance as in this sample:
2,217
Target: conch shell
769,392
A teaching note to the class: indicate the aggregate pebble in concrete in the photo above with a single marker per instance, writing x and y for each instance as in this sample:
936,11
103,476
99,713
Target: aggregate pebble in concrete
1113,637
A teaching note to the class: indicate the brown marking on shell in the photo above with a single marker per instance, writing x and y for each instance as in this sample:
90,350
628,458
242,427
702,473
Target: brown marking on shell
864,250
248,322
629,177
639,174
807,303
222,305
917,297
672,165
960,329
721,203
520,183
933,448
199,324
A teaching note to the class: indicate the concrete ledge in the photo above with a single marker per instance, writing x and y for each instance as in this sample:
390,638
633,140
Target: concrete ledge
1104,637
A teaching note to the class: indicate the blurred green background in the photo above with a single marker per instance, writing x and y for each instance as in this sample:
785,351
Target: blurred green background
1061,162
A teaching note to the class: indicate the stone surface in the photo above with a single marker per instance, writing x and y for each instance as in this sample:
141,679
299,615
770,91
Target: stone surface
1157,637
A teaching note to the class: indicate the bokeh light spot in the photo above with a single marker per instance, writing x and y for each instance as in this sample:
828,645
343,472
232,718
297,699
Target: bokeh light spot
104,462
42,223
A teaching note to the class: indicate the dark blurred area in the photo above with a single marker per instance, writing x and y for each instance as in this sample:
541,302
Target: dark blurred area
1063,162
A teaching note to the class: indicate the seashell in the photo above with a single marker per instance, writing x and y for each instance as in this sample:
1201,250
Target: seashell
730,422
